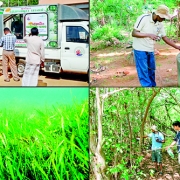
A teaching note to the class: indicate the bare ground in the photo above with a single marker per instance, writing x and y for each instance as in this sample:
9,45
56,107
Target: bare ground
171,169
115,67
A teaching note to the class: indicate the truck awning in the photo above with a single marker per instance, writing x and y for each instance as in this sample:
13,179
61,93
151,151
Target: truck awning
71,13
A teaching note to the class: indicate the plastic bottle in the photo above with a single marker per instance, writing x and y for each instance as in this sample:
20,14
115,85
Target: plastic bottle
169,151
178,68
159,37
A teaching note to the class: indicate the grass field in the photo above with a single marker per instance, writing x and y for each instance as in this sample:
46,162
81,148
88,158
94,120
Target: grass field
46,143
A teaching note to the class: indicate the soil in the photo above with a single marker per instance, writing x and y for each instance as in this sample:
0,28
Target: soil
51,79
115,67
171,168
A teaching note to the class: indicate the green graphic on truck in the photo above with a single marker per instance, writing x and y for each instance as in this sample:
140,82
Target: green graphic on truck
45,18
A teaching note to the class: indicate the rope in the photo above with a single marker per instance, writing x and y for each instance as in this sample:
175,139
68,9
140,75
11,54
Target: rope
159,149
154,150
160,78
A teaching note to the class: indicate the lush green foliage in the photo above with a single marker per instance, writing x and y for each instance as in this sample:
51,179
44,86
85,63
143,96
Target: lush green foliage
106,33
9,3
123,115
48,143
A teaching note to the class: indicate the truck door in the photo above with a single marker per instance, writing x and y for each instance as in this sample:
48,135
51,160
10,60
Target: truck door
74,47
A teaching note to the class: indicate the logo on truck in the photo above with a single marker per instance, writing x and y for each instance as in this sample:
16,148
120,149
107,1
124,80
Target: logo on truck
79,51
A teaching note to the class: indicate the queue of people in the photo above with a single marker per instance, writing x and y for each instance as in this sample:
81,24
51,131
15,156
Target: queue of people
35,56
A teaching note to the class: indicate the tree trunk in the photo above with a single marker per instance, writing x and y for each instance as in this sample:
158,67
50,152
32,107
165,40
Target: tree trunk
178,24
145,116
130,136
99,160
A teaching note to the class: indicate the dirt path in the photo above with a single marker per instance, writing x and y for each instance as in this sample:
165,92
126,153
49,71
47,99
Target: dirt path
171,169
117,68
51,80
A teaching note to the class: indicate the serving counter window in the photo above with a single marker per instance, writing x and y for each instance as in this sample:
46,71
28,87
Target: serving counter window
15,23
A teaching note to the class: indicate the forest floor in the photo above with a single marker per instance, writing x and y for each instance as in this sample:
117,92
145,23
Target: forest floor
171,168
114,66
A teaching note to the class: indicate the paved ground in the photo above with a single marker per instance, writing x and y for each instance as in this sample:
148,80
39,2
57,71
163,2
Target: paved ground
51,80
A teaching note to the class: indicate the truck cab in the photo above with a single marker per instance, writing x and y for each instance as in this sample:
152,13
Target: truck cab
64,30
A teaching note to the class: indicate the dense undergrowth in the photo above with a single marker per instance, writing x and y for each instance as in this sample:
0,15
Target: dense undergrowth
47,143
112,22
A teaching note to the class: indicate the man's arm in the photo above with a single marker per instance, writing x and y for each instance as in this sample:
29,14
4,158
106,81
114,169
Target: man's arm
1,42
25,38
42,52
160,141
138,34
172,144
142,137
171,43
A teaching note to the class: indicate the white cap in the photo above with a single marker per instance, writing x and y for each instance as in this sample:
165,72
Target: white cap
154,128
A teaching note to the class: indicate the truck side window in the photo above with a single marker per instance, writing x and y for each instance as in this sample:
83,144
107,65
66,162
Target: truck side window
76,34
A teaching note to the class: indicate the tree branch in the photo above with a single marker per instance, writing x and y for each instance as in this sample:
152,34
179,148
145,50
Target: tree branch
145,115
115,91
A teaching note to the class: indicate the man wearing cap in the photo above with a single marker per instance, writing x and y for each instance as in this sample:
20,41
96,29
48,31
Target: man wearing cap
157,140
148,29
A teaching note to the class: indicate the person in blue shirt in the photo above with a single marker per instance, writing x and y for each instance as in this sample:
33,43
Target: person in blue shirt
157,139
176,127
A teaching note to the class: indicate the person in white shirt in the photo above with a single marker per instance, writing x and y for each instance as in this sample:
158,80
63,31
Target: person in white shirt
35,56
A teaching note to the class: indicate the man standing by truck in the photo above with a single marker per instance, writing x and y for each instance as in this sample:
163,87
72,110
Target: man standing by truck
8,44
147,29
35,56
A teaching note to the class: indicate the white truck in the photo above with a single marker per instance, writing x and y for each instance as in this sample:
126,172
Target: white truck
64,30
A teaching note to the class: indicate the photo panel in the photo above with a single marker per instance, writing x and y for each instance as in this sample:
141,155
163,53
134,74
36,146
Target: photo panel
49,43
134,44
44,133
134,133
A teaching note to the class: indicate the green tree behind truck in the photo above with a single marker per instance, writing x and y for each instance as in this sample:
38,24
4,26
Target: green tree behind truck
10,3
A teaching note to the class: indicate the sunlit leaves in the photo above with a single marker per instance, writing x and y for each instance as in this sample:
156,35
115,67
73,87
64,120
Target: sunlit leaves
41,148
132,104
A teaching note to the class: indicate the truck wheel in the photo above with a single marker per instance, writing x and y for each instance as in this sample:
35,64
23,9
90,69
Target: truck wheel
20,68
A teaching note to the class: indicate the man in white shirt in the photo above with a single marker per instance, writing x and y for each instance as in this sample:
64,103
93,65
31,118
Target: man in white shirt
35,56
147,29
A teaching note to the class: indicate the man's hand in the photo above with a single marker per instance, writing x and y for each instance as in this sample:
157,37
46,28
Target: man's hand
138,34
42,64
178,47
159,141
153,37
170,146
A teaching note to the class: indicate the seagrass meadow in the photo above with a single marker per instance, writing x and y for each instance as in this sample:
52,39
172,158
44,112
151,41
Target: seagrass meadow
43,138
